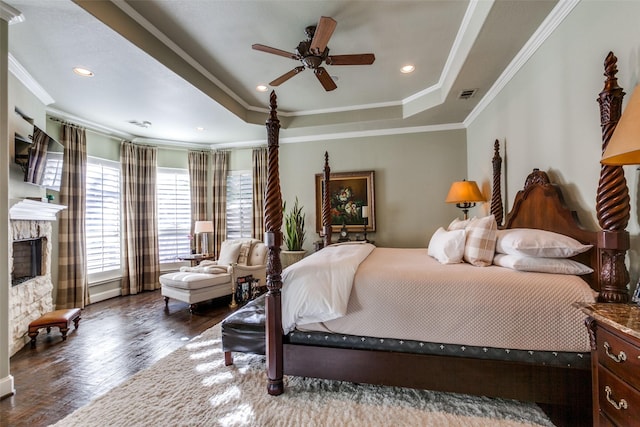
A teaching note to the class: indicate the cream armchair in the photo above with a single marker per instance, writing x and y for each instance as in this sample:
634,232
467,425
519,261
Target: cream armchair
214,279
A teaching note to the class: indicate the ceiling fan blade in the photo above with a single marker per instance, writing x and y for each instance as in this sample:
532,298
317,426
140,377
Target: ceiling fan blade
323,33
355,59
286,76
273,50
325,79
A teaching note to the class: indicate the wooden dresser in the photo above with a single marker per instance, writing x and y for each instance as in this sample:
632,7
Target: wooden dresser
615,363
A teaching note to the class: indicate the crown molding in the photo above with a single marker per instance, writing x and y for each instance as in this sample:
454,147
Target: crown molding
10,14
63,116
30,83
549,25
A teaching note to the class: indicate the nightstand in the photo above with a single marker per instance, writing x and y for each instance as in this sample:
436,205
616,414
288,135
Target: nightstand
615,363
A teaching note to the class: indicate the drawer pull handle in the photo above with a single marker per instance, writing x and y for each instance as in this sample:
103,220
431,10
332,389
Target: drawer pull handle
621,357
618,406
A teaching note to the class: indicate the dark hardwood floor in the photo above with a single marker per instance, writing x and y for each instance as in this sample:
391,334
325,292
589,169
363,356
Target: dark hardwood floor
115,339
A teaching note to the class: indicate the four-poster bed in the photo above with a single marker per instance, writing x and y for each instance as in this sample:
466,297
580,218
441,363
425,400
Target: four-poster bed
558,388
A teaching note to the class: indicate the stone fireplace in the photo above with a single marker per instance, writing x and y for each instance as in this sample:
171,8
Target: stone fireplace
33,296
27,260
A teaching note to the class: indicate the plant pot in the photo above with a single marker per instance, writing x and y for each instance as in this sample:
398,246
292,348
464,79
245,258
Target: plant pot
291,257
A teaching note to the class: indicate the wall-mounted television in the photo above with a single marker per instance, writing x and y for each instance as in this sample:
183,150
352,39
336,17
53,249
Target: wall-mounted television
40,157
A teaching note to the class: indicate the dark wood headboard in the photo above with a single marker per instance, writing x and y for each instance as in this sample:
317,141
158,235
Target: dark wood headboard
540,205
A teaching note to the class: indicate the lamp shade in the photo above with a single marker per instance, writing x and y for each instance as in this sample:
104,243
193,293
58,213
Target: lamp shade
203,227
464,191
624,146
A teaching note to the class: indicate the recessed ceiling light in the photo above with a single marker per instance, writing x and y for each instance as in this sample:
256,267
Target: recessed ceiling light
407,69
199,128
83,72
262,88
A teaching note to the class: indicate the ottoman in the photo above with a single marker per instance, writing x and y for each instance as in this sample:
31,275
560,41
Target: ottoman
244,330
59,318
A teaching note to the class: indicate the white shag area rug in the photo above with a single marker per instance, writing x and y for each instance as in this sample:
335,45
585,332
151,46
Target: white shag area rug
193,387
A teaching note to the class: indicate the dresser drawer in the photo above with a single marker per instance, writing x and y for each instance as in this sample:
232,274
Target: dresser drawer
617,400
620,356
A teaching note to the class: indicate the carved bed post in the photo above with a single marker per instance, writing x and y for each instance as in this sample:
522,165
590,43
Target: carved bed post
612,199
326,202
273,241
496,193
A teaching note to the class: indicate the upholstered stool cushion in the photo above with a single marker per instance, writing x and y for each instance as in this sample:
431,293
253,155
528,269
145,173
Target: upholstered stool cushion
193,280
59,318
244,329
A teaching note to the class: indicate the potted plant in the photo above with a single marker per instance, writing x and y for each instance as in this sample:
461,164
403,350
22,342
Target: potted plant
294,234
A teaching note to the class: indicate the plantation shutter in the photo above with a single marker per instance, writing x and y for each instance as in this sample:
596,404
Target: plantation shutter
102,220
174,214
239,204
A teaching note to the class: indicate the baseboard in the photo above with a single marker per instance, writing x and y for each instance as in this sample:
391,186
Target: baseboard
6,387
101,296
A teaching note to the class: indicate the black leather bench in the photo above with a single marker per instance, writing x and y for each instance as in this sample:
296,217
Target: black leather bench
244,330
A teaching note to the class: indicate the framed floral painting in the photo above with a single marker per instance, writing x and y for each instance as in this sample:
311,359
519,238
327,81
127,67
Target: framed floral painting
349,192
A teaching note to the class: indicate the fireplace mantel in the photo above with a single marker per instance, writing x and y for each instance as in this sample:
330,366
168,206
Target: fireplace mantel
33,210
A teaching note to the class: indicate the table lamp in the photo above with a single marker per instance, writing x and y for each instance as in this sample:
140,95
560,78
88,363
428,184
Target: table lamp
624,146
202,228
464,194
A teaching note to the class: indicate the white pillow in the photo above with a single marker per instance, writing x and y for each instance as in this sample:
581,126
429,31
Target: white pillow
229,252
538,243
541,265
459,224
447,246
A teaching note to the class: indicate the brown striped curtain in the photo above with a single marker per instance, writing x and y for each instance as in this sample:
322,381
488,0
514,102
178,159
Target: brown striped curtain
259,157
72,252
220,162
38,157
198,184
140,225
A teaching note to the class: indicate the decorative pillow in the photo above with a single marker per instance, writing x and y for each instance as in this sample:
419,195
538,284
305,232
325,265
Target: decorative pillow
541,265
243,256
215,269
447,246
538,243
481,241
459,224
229,252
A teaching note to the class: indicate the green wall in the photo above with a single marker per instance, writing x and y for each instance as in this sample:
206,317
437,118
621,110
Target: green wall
412,177
547,116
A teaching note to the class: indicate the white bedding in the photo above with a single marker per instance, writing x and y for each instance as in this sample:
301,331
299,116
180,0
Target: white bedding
405,294
311,292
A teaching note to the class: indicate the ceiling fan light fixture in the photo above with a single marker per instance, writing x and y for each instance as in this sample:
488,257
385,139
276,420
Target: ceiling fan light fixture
313,52
84,72
406,69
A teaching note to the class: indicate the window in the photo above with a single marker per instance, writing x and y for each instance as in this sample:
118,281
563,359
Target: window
239,204
174,214
103,218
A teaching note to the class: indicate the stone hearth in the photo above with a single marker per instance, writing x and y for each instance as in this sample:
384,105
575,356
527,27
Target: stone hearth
31,298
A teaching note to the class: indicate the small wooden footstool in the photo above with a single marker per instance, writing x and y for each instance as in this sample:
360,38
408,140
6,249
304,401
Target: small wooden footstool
60,318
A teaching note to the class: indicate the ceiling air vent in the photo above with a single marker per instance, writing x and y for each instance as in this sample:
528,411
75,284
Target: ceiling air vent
467,93
144,124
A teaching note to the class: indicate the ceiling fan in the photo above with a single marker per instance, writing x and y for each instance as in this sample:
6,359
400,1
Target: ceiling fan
314,51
